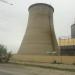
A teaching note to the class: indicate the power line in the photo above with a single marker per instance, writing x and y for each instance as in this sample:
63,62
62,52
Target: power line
4,1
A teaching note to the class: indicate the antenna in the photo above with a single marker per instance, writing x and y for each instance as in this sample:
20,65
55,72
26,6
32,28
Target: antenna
6,2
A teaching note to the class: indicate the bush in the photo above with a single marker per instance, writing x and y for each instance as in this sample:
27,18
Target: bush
3,50
4,55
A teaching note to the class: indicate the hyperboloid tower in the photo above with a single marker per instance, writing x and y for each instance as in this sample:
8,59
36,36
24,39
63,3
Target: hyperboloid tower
40,37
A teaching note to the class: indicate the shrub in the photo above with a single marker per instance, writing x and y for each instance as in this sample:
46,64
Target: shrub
4,55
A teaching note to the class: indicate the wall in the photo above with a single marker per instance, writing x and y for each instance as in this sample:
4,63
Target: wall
45,59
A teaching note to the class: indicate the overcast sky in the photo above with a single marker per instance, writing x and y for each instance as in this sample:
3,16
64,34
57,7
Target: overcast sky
13,20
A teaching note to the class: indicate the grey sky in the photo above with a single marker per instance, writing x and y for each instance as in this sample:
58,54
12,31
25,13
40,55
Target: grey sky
13,19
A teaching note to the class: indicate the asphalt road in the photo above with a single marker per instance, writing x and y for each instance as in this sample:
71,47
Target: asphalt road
13,69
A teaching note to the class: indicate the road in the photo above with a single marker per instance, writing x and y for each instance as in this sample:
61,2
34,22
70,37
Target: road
13,69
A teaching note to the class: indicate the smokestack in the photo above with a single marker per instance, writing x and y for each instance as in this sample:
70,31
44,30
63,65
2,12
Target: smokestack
40,36
73,31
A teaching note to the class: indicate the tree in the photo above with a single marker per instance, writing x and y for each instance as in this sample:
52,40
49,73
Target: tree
4,55
3,50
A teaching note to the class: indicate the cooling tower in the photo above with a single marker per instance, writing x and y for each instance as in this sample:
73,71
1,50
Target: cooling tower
40,36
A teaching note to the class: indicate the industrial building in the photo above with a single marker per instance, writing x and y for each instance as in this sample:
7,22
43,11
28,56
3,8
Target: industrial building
67,46
39,43
40,36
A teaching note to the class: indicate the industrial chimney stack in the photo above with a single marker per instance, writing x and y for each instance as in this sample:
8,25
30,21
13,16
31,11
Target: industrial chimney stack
73,31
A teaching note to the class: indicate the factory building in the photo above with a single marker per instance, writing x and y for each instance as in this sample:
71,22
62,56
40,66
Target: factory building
39,43
67,46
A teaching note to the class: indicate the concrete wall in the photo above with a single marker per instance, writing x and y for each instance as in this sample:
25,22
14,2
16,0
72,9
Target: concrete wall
44,59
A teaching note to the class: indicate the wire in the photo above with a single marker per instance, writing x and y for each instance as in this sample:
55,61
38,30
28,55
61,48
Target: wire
6,2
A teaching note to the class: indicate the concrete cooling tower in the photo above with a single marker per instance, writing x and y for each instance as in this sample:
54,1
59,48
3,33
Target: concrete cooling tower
40,36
